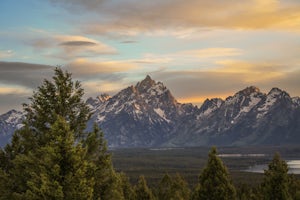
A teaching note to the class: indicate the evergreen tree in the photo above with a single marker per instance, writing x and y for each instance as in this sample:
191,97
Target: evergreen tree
127,189
165,188
214,181
142,191
47,160
276,180
57,170
60,97
173,188
181,187
4,189
294,187
107,181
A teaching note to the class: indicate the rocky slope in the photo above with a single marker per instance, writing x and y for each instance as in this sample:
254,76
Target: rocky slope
147,115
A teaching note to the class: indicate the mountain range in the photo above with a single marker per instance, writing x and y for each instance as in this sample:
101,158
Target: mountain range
148,115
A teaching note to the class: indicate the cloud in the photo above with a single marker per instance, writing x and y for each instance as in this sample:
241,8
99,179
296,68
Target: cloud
12,101
8,89
212,52
6,53
195,86
131,17
86,68
129,41
255,72
94,88
189,58
79,4
68,47
17,82
23,74
78,43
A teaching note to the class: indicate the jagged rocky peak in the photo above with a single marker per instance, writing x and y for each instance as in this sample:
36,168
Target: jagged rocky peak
249,90
277,92
145,84
243,102
210,105
12,112
93,102
296,101
103,97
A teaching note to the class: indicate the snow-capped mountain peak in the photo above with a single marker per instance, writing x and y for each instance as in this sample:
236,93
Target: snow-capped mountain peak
103,97
145,84
147,114
296,101
249,90
209,106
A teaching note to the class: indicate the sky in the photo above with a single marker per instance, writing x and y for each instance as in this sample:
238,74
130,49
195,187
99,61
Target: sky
198,48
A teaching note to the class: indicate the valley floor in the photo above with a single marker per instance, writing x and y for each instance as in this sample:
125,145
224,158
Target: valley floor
154,163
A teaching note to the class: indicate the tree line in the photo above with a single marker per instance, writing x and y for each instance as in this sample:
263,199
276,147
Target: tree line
53,157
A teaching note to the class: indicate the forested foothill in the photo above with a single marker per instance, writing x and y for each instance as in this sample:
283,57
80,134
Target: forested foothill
53,157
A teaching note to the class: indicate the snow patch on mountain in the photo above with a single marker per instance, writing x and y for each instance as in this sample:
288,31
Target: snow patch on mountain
147,115
296,101
161,113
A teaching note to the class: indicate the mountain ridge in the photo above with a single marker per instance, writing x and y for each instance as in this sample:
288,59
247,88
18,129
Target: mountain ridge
148,115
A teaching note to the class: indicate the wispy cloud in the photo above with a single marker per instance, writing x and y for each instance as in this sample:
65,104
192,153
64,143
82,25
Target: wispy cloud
84,67
6,53
227,78
78,43
131,17
68,47
17,82
96,87
23,74
8,89
212,52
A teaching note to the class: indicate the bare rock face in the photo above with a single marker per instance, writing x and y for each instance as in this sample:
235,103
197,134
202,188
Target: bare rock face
148,115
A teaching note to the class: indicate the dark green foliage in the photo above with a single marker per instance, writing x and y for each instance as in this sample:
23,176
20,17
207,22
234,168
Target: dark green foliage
245,192
57,170
107,181
214,181
52,157
60,97
294,187
165,190
127,189
142,191
175,189
275,185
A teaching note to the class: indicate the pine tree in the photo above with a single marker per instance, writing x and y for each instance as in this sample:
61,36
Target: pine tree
165,188
60,97
173,188
107,181
294,187
60,158
127,189
57,170
214,181
181,188
276,180
142,191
